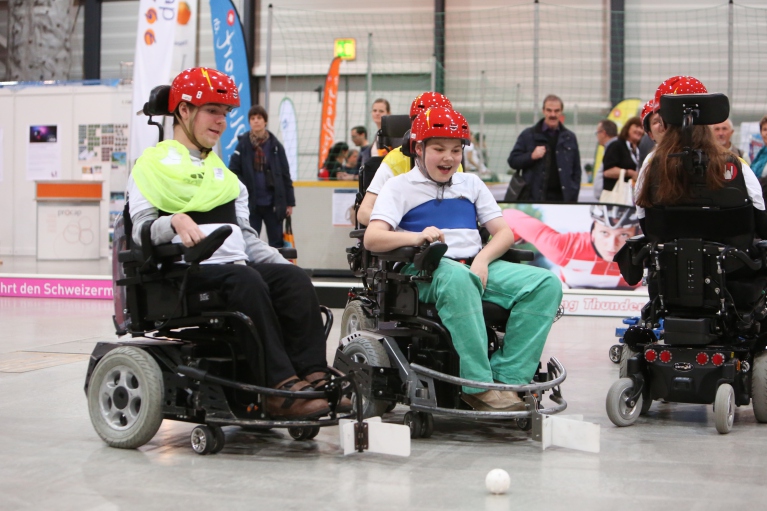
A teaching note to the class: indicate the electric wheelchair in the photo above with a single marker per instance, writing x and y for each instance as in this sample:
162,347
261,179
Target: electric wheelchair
400,344
183,363
707,285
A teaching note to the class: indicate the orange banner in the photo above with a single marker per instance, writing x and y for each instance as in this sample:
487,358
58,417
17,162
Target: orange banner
329,100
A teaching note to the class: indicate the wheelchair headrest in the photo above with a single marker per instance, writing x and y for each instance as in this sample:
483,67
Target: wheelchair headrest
405,147
705,108
158,101
393,128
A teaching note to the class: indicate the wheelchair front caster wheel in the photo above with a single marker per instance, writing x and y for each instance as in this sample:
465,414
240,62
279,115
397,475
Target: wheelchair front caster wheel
724,408
413,421
304,433
615,353
427,424
207,439
619,410
525,423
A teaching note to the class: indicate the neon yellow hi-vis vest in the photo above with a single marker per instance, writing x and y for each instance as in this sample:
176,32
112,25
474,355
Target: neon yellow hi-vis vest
166,176
399,163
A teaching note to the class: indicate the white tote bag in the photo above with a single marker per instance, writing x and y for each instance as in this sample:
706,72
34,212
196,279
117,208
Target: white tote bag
621,193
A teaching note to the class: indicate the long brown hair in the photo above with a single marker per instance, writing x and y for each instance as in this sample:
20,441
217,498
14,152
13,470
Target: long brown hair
666,182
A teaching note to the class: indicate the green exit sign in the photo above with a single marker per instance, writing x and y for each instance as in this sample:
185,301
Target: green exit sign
345,48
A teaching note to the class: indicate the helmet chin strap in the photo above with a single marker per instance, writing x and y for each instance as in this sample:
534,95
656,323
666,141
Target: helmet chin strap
421,164
189,132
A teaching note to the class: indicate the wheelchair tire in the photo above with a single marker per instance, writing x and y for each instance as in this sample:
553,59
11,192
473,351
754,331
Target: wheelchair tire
354,318
413,421
759,386
204,440
724,408
615,353
617,410
625,355
427,424
125,397
367,350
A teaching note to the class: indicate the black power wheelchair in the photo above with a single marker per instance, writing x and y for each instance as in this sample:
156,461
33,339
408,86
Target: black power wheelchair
707,285
183,363
400,344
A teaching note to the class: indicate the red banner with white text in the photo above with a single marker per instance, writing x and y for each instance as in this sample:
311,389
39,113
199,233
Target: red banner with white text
329,102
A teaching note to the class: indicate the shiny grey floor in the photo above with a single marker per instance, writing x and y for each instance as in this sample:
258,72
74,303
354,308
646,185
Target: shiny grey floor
50,457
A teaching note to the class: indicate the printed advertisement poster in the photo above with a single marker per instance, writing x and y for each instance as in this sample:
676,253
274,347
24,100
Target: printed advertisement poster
103,147
575,241
43,153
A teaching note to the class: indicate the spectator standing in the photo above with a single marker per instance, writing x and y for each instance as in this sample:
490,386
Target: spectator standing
360,139
380,108
761,157
261,163
547,154
723,134
624,154
607,133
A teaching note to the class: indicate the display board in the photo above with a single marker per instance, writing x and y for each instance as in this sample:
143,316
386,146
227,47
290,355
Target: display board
68,230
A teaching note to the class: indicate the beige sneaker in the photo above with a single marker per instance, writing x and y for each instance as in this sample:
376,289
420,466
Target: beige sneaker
495,401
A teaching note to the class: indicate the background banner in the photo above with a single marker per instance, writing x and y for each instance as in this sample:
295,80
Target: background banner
573,242
231,58
151,66
288,128
329,99
185,42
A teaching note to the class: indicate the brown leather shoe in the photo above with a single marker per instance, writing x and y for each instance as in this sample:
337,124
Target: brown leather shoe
494,401
293,408
319,379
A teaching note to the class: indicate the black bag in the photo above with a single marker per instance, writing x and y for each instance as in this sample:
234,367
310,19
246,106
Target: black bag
518,190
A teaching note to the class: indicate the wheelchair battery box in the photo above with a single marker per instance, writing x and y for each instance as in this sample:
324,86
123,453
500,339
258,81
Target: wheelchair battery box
689,331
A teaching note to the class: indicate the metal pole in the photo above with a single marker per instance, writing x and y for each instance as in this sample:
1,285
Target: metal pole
575,117
536,56
346,108
519,86
478,150
268,85
730,34
369,80
433,83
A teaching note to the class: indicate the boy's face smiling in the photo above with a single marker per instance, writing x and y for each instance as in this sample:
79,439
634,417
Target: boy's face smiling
441,156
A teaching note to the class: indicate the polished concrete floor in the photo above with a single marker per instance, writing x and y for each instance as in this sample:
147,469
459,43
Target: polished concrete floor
51,458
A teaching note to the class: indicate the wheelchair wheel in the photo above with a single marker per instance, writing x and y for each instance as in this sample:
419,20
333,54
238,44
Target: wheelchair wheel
427,424
413,421
615,353
625,354
125,397
724,408
620,413
525,423
759,386
367,350
207,439
354,319
304,433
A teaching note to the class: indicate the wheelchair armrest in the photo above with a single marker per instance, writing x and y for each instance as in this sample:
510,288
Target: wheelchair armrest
357,234
402,254
428,258
288,252
515,255
204,249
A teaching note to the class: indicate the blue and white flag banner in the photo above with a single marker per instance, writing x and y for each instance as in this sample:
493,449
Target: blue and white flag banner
289,132
151,66
231,58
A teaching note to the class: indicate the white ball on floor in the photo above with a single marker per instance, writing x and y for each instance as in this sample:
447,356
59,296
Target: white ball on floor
497,481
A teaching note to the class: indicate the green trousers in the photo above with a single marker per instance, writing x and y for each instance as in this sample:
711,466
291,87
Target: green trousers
533,294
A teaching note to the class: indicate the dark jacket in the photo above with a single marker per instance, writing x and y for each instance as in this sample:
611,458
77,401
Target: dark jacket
617,155
277,173
534,171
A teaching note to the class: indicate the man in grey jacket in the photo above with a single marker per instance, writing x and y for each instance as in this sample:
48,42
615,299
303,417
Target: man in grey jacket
547,154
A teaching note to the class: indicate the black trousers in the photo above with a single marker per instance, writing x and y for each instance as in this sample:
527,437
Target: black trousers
268,216
281,301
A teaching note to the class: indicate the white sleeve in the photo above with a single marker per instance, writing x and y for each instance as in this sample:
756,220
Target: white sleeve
753,186
640,180
383,174
487,207
390,205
